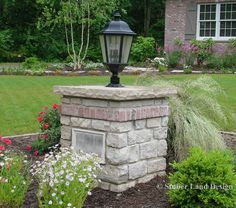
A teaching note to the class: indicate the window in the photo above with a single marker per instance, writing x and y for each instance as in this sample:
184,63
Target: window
217,21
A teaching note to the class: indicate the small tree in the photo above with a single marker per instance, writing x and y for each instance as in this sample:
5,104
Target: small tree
76,16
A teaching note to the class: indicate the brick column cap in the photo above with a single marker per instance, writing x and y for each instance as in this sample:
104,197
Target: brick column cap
116,94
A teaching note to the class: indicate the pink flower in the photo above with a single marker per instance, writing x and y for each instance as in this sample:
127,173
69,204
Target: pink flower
2,148
40,119
45,136
186,48
46,126
36,152
28,147
55,106
7,141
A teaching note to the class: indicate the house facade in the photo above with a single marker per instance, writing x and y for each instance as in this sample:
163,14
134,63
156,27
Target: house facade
200,19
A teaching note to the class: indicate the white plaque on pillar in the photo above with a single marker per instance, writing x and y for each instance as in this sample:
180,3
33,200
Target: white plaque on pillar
89,142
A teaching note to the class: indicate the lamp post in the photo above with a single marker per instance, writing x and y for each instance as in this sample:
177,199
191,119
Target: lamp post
116,40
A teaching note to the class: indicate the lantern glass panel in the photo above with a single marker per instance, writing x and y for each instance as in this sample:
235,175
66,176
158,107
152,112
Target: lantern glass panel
113,48
102,41
127,42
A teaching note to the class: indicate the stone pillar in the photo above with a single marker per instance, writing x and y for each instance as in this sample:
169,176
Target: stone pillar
134,122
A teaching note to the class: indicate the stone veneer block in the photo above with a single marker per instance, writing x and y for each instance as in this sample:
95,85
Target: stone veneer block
134,122
114,94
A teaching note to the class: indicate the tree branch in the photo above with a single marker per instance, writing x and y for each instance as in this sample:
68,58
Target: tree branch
88,34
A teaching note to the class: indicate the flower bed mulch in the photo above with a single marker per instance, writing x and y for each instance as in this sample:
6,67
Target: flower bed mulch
148,195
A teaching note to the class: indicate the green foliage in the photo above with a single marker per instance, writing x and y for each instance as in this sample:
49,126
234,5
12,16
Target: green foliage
50,126
173,58
208,179
91,65
34,64
232,41
64,175
94,54
14,179
188,70
6,41
204,49
179,42
193,114
162,68
76,18
35,28
143,48
214,62
229,61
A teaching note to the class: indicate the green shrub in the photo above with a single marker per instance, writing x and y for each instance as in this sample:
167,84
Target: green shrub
94,54
34,64
229,61
65,178
50,126
143,48
215,62
204,180
162,68
93,66
173,58
188,70
204,49
14,179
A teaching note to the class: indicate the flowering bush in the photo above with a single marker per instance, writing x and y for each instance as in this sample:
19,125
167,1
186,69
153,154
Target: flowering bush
204,49
65,178
160,63
49,120
14,177
189,54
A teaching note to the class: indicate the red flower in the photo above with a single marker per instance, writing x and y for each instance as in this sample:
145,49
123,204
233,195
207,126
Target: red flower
40,113
45,108
45,136
28,147
2,148
7,141
36,152
55,106
46,126
40,119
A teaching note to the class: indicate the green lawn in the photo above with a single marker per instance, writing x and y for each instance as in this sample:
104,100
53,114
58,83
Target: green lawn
21,97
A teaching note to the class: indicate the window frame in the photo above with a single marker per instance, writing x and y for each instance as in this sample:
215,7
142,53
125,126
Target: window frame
217,36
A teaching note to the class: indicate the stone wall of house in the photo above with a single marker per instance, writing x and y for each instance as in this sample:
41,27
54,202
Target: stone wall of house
135,126
175,23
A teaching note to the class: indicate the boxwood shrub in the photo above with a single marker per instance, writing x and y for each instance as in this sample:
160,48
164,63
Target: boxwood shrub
204,180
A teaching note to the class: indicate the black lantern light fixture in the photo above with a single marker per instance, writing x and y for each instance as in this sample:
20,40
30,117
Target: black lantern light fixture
116,40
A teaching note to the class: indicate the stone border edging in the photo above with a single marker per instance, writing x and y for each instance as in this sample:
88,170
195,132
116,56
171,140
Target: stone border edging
29,135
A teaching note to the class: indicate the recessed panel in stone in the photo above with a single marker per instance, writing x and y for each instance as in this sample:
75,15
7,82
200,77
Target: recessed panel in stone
89,142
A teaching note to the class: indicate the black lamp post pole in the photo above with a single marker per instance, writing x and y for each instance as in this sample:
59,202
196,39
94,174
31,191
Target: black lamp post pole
115,80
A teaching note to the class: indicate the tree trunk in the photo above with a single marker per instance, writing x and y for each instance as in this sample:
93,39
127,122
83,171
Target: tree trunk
147,16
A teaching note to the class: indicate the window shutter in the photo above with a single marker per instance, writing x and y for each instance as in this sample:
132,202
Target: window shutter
191,21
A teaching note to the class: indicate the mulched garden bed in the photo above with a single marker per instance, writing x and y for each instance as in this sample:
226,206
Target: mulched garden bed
148,195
